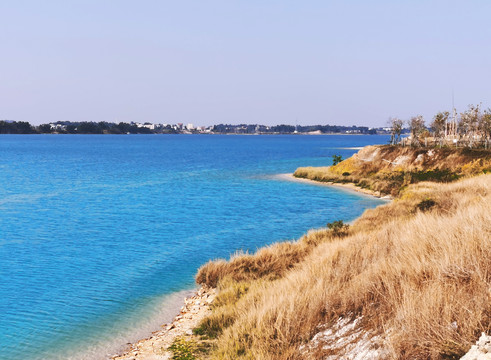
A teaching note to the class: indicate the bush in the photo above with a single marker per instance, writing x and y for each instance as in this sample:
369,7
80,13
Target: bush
426,204
338,228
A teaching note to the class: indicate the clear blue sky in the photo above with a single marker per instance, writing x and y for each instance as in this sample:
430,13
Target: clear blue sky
250,61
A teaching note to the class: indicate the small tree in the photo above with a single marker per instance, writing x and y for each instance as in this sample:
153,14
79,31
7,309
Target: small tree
469,122
45,128
417,127
395,130
485,124
439,123
336,159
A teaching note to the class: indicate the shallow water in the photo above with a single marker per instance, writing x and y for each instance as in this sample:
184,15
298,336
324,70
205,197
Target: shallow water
99,234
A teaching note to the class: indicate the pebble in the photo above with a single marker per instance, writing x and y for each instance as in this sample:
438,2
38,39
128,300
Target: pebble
183,323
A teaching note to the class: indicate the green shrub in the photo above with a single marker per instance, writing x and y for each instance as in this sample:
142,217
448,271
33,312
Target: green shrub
439,175
338,228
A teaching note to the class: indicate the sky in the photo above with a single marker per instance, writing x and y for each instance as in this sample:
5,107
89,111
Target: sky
242,61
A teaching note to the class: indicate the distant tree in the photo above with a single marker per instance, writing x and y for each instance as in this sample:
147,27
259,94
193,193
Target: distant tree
471,124
485,124
89,128
104,126
417,128
24,127
45,128
282,129
71,129
395,130
439,123
336,159
5,127
16,127
469,121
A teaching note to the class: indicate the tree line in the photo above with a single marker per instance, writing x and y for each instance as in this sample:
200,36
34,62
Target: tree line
87,127
471,128
84,127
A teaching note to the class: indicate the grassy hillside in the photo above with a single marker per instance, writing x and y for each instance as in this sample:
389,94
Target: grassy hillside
388,169
407,280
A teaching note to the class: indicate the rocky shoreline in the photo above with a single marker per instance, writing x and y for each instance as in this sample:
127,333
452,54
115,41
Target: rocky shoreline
156,346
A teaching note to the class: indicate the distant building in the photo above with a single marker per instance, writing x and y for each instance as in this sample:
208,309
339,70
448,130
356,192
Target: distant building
57,126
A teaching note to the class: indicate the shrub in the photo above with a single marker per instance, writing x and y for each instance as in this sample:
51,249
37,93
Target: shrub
426,204
338,228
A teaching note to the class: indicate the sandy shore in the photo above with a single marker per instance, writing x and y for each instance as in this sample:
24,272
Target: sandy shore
195,308
345,186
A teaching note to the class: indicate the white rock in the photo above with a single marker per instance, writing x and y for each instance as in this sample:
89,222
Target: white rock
480,351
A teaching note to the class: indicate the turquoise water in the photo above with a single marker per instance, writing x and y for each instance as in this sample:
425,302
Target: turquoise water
101,235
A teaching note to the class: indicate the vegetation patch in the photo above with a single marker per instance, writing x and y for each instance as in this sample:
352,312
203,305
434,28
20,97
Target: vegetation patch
184,348
439,175
224,311
389,169
419,279
416,269
426,204
338,228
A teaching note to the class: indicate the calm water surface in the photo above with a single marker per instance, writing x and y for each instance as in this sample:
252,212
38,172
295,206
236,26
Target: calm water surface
100,236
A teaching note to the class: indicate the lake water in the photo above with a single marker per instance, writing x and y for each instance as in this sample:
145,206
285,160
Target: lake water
101,235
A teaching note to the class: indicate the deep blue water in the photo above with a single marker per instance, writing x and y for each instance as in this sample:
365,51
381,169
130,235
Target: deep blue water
97,232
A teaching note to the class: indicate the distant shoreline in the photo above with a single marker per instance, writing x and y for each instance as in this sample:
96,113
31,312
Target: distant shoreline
228,134
104,127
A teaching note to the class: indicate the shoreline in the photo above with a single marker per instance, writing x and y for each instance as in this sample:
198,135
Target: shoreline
233,134
345,186
195,308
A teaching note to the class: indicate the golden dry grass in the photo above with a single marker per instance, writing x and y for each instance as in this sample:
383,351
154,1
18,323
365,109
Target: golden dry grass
388,169
271,262
421,279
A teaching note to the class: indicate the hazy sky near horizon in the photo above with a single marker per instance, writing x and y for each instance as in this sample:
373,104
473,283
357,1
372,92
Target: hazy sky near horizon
218,61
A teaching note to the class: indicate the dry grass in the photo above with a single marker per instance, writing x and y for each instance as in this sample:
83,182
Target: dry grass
420,279
389,169
271,262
